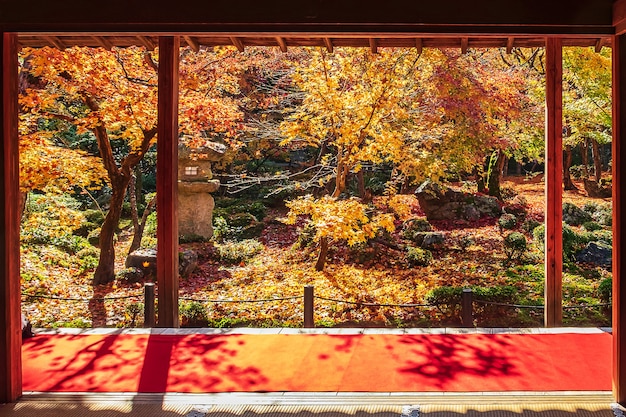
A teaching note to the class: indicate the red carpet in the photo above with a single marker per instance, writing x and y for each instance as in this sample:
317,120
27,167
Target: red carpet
378,363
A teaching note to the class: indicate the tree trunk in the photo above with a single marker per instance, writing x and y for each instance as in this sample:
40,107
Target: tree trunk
567,162
321,257
360,178
480,180
597,161
138,234
496,176
584,154
105,272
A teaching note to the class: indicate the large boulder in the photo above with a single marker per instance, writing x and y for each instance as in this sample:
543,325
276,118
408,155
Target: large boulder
596,253
146,261
443,203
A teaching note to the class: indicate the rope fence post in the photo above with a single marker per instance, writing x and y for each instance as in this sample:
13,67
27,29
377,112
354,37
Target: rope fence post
467,305
149,316
309,321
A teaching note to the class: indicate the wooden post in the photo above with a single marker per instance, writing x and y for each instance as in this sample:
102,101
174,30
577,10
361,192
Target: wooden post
10,310
553,183
309,309
619,219
467,308
167,182
148,305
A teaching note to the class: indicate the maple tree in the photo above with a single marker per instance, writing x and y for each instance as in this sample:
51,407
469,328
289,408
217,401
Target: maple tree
428,115
355,111
113,95
587,104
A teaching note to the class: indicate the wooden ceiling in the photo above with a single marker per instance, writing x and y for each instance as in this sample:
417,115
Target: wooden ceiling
328,41
322,23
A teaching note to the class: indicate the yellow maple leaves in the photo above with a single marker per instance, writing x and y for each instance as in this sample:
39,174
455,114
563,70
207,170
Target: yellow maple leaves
342,220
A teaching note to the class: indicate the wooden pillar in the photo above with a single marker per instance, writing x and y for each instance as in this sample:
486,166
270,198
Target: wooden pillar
619,219
10,310
167,183
554,183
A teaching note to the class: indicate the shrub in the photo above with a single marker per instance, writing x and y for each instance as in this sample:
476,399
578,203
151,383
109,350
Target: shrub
507,221
191,239
418,256
193,314
571,240
236,252
605,290
603,236
444,295
600,213
94,216
591,226
515,246
220,228
530,225
574,215
413,228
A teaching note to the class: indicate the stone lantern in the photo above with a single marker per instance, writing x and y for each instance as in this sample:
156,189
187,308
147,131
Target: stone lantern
195,185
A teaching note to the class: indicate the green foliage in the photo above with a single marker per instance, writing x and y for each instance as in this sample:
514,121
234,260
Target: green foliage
193,314
605,290
226,207
572,241
600,213
507,221
149,239
413,229
574,215
132,313
530,225
515,246
418,256
191,239
236,219
220,228
445,295
237,252
602,236
592,226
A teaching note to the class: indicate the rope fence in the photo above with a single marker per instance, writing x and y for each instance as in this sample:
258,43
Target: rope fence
468,300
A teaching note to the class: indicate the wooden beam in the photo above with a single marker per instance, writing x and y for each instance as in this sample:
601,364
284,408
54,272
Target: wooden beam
619,16
167,182
281,43
193,43
238,43
464,45
419,45
56,42
103,42
554,183
509,44
10,310
554,17
146,42
619,219
599,45
373,45
329,44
